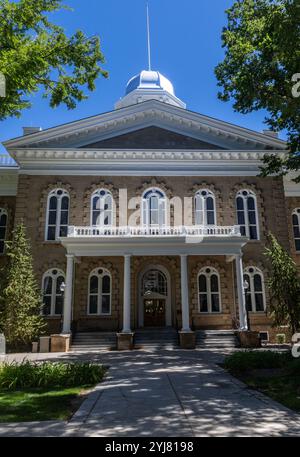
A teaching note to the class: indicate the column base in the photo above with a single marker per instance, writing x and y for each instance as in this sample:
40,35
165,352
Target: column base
187,340
249,339
125,341
44,344
61,343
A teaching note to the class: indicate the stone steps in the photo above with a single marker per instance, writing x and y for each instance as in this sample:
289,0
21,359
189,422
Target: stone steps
160,338
216,339
93,341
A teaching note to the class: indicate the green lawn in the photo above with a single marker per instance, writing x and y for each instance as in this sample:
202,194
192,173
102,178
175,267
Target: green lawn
28,405
282,387
277,375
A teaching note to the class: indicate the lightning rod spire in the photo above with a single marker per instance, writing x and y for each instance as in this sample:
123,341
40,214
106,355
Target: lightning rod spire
148,37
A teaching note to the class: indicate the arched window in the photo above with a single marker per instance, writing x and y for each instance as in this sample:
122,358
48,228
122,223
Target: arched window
52,294
101,208
255,291
154,282
296,228
205,208
99,300
247,218
57,214
3,227
154,208
209,290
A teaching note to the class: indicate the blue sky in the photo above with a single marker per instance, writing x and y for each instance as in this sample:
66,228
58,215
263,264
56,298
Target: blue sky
186,46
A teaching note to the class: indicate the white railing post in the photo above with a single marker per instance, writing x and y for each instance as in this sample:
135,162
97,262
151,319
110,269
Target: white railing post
71,230
113,231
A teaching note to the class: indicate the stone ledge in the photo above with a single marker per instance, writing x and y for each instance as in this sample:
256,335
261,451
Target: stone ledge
125,341
61,343
249,339
187,340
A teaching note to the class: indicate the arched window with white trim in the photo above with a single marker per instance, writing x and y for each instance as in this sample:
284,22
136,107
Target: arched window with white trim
154,282
255,290
52,292
209,290
154,208
296,228
3,228
57,214
247,217
99,299
205,208
102,208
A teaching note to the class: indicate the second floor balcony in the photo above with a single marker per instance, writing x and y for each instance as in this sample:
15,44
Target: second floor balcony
154,231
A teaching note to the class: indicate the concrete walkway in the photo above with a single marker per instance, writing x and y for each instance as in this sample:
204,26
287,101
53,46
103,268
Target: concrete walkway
167,394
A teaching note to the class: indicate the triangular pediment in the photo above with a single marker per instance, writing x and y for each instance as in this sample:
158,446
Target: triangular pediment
152,138
148,125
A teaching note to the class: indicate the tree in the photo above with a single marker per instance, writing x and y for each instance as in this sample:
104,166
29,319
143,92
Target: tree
21,302
284,286
36,54
261,69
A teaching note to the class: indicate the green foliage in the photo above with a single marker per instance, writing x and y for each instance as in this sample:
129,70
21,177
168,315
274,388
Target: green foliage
36,54
241,362
33,405
48,374
262,53
21,303
280,338
284,286
281,381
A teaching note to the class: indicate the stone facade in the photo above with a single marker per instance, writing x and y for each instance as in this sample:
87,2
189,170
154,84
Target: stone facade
273,208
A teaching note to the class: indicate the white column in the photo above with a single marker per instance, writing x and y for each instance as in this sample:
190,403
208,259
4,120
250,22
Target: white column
127,295
240,291
185,295
68,295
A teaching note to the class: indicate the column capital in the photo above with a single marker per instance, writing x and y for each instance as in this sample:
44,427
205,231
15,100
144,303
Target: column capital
183,255
127,255
70,256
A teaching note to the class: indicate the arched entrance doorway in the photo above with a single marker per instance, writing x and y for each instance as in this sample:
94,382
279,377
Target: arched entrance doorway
154,297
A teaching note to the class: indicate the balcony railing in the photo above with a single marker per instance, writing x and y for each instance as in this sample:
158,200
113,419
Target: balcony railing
152,231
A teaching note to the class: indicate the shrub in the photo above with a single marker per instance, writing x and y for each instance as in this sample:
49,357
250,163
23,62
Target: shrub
280,338
294,367
48,374
240,362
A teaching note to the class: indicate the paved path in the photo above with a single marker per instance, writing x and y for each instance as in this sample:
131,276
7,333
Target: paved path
170,393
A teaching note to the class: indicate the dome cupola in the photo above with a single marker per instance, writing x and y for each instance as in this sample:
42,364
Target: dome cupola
149,85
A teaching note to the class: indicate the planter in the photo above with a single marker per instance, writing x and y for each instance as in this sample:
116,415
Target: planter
249,339
125,341
60,343
187,340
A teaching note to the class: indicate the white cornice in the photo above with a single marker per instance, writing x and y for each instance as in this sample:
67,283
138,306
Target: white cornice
68,154
139,162
106,125
151,246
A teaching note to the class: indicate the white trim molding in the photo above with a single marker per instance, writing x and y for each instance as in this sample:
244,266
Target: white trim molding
99,294
86,131
252,291
208,272
54,274
167,297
